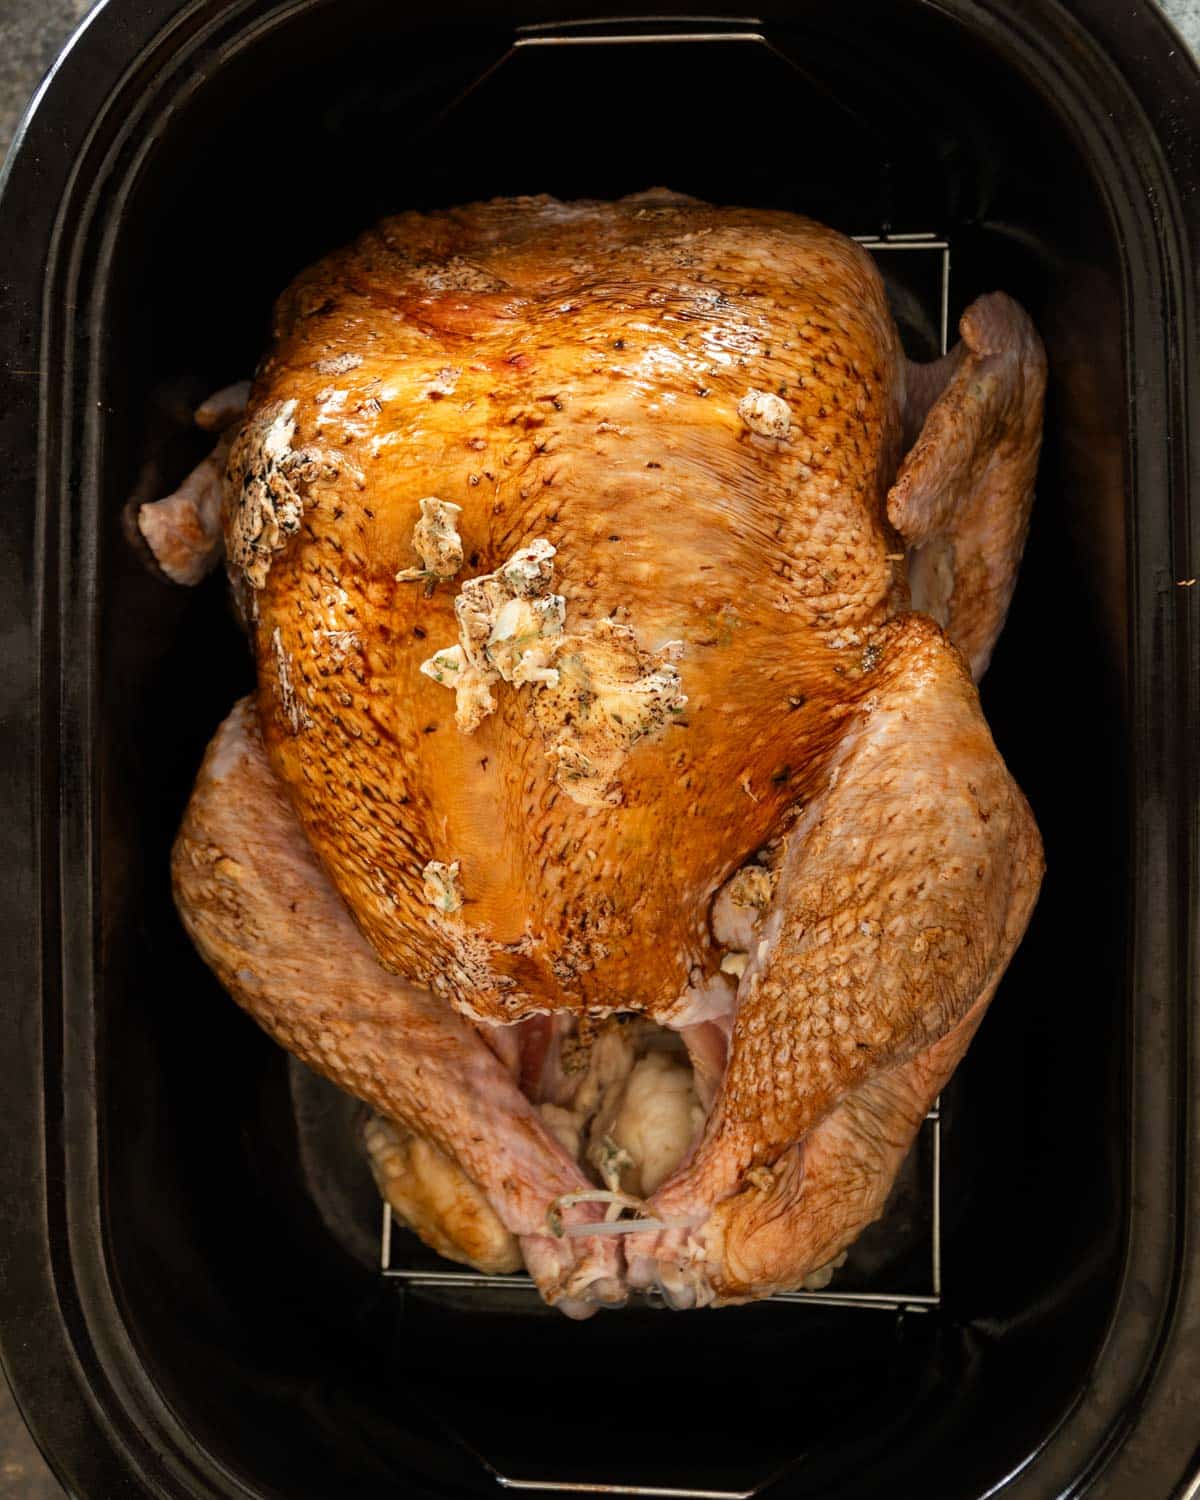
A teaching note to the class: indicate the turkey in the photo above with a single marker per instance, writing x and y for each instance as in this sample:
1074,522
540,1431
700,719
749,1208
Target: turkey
615,813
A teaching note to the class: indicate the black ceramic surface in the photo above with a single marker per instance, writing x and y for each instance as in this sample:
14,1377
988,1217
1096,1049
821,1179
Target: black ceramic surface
177,1316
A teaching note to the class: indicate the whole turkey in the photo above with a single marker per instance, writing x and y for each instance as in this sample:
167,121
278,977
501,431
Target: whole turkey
615,814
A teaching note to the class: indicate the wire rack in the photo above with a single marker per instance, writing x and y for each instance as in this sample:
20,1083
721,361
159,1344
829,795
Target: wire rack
400,1264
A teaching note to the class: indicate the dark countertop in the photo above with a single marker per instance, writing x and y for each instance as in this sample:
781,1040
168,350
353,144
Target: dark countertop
31,33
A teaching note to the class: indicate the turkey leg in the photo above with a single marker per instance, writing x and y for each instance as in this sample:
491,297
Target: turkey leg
800,1215
269,924
903,890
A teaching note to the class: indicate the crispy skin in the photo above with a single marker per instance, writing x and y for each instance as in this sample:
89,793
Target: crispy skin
701,412
902,894
904,889
963,495
822,1192
257,906
571,372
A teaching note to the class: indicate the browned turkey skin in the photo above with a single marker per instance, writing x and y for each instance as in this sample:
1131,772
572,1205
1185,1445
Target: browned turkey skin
578,556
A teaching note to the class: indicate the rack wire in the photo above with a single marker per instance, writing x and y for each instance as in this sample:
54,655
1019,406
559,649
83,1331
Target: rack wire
899,1301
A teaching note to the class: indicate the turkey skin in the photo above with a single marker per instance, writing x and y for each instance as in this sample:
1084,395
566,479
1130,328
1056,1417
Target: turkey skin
615,814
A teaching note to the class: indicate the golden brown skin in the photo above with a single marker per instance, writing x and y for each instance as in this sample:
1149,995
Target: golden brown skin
258,906
822,1192
964,493
903,891
597,371
701,411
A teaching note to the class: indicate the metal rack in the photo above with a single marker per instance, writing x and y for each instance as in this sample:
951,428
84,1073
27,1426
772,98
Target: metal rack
938,250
